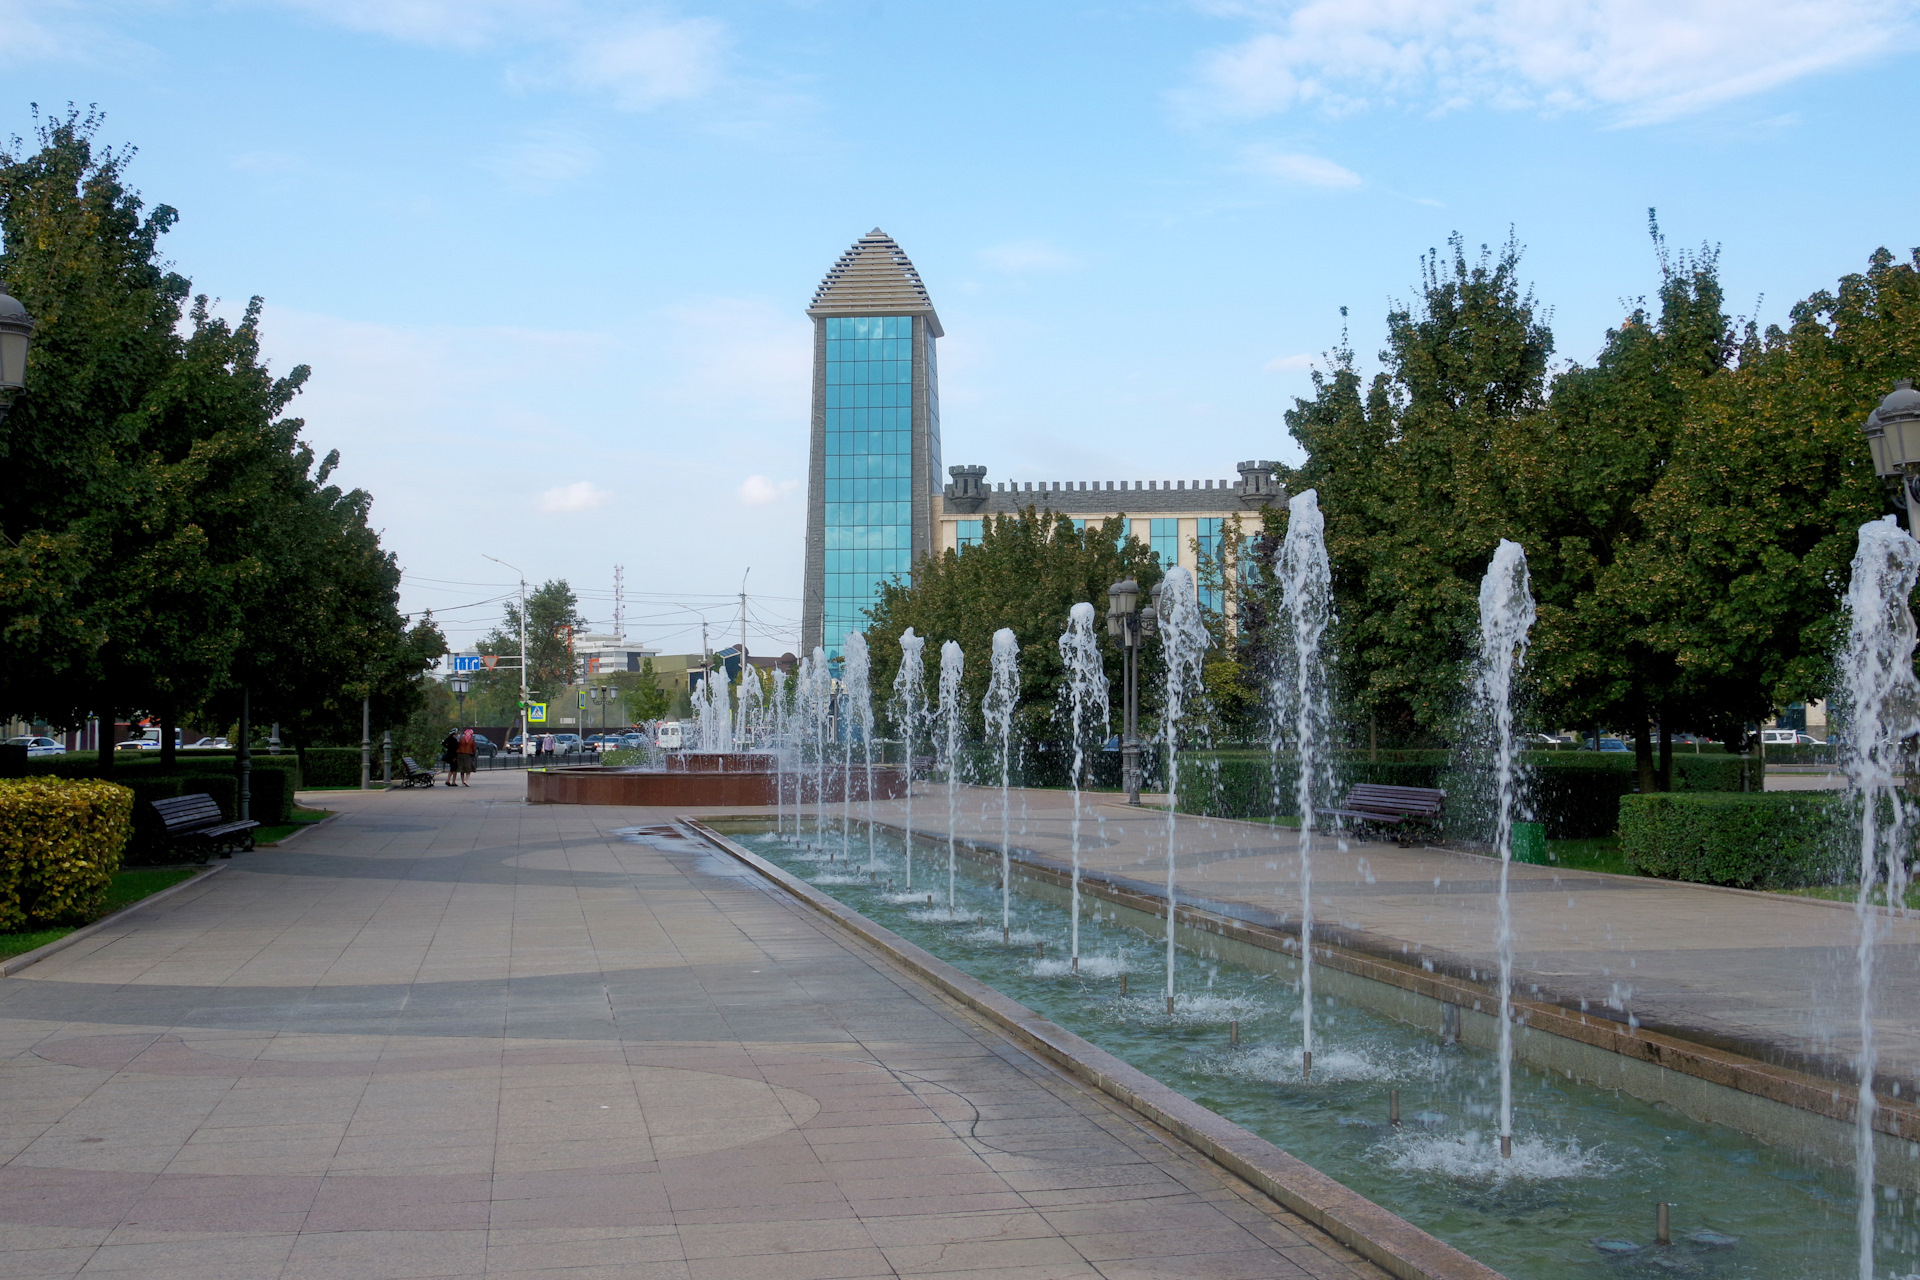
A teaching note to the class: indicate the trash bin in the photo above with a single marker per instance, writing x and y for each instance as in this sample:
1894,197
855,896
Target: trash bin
1529,842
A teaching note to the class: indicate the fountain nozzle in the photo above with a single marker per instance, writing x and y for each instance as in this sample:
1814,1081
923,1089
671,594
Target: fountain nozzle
1393,1107
1233,1032
1661,1233
1169,1006
1306,1064
1506,1146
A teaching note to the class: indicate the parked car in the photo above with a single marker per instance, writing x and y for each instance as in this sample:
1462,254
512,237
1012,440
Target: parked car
38,745
568,743
148,740
1607,744
483,745
1786,738
208,744
669,735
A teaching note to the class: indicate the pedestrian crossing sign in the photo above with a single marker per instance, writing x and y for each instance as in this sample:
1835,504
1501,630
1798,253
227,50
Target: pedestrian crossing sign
537,712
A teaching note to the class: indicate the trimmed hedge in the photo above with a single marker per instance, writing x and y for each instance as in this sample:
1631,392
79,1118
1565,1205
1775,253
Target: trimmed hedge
1761,840
60,843
337,766
273,779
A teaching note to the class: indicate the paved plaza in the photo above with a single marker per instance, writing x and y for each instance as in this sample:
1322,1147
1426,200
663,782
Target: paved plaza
449,1034
1771,974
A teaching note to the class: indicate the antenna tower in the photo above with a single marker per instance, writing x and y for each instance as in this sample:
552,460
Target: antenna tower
620,603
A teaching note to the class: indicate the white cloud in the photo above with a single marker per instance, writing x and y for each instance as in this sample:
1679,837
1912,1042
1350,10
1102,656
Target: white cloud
1027,255
1295,166
758,491
639,62
582,495
1291,364
1639,60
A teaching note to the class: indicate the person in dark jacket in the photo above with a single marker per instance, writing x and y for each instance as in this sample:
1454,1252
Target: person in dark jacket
450,755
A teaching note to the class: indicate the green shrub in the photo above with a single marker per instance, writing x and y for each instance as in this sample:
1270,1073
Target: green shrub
334,766
1760,840
60,843
274,778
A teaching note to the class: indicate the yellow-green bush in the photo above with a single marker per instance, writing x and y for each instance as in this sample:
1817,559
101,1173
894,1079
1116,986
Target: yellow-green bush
60,843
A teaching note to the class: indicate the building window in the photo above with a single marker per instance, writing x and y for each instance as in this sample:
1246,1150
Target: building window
1210,540
869,499
1164,537
967,533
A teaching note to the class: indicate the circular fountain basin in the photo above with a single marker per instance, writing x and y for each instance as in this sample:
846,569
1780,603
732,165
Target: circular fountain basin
710,778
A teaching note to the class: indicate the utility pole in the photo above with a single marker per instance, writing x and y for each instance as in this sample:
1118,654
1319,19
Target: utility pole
620,603
523,650
743,622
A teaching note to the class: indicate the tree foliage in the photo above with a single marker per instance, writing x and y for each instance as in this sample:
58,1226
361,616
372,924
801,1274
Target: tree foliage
166,537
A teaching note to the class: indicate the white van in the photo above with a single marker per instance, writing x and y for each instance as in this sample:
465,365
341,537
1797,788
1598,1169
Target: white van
667,736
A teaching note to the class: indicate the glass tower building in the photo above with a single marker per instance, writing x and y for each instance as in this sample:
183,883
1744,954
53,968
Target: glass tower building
874,465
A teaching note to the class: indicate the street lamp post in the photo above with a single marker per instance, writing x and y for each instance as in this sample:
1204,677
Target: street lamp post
1893,435
1130,625
16,337
460,683
523,653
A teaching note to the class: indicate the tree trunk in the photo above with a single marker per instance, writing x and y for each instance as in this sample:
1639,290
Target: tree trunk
1666,755
106,739
168,757
1643,753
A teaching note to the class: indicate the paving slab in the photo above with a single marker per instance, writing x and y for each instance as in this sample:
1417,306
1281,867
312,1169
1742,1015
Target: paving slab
451,1034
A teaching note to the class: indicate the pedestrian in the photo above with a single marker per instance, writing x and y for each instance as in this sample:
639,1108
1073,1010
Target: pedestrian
464,753
450,753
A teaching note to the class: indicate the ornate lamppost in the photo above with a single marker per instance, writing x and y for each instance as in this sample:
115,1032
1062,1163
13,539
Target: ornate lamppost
16,336
460,683
1893,435
1131,626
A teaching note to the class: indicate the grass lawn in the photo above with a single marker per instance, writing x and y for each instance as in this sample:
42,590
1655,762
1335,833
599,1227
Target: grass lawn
128,886
297,819
1601,853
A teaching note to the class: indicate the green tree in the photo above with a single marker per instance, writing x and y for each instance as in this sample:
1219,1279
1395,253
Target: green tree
1026,572
645,699
553,616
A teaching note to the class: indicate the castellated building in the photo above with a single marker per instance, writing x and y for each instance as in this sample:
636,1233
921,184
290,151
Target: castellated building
878,497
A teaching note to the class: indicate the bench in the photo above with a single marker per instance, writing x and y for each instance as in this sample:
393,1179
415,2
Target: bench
1403,808
194,822
412,775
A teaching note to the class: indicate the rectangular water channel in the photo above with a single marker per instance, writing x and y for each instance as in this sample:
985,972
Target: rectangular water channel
1576,1201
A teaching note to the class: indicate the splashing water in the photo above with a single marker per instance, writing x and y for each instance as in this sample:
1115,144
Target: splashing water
1506,615
909,709
1882,703
856,682
1003,694
953,665
1468,1157
716,726
1087,702
780,726
1302,710
1183,643
820,713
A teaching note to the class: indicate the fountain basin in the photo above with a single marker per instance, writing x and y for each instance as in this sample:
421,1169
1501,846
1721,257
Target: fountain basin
719,778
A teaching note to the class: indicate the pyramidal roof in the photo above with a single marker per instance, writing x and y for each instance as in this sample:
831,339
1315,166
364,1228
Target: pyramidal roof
873,278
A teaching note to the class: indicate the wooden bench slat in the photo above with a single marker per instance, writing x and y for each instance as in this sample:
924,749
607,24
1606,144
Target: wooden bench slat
1390,806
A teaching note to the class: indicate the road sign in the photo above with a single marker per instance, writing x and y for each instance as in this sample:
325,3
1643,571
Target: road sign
583,699
465,663
537,712
492,660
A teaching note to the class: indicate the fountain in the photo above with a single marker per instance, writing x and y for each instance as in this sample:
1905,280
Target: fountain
952,668
856,703
1088,707
1506,616
781,727
910,707
1882,703
1003,694
1302,710
1183,643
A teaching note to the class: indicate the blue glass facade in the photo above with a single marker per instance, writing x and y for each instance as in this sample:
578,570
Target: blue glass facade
1163,537
869,461
968,532
1210,539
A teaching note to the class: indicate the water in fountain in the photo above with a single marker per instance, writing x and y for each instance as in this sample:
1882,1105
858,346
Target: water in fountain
1882,708
856,682
909,709
1183,643
953,665
820,717
1506,615
779,729
1089,712
748,729
1302,709
1003,694
715,710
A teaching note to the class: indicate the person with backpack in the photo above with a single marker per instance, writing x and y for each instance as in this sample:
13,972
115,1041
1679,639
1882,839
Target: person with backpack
464,754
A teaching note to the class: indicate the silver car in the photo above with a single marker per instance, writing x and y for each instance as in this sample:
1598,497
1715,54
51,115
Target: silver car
38,745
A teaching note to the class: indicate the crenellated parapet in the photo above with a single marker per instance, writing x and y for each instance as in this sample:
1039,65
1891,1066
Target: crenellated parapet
970,493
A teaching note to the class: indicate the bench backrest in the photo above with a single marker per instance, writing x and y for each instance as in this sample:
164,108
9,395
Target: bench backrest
188,813
1423,801
412,765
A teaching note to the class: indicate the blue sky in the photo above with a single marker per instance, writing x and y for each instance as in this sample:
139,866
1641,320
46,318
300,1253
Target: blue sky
550,261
